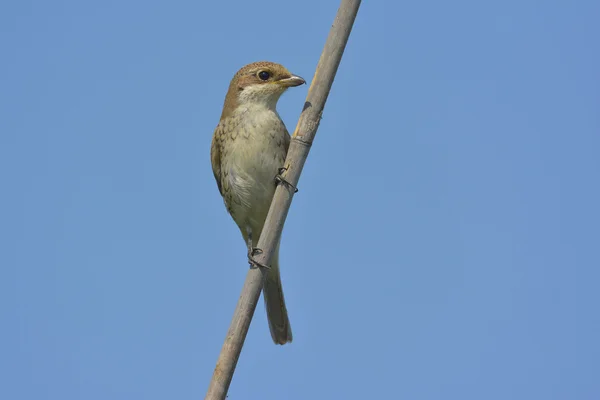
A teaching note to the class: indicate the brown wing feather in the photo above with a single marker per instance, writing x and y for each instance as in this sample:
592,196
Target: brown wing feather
286,141
215,155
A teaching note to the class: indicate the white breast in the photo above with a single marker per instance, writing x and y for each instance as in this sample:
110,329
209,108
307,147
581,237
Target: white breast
254,159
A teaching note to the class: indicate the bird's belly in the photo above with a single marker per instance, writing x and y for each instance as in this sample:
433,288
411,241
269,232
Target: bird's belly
251,167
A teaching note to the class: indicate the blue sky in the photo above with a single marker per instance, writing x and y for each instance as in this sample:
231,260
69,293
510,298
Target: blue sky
443,245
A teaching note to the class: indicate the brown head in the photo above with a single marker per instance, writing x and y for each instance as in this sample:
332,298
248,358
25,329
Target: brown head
261,82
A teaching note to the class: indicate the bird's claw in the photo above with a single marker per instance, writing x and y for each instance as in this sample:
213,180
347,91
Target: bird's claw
280,179
253,263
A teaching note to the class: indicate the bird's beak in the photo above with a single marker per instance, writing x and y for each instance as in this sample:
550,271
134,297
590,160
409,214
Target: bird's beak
293,80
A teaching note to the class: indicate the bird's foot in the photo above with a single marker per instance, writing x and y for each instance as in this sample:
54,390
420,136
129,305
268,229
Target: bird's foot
252,251
280,179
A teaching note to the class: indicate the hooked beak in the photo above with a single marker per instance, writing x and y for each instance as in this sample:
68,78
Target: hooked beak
293,80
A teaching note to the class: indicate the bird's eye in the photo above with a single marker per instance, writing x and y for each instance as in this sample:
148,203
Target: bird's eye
264,75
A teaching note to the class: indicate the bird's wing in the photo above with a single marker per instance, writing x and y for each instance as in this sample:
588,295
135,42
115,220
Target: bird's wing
215,155
286,141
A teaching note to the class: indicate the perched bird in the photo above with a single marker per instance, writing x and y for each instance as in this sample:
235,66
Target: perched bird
249,146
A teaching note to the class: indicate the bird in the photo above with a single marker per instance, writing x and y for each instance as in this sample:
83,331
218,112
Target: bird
248,149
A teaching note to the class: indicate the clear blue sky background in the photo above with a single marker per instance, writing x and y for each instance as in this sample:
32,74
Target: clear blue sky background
444,243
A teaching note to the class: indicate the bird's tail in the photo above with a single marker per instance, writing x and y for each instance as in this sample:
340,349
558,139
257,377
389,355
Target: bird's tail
279,324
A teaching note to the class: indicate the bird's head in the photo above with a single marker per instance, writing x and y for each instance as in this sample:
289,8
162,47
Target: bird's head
260,83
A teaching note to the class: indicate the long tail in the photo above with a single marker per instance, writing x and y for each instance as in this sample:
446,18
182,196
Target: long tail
279,324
